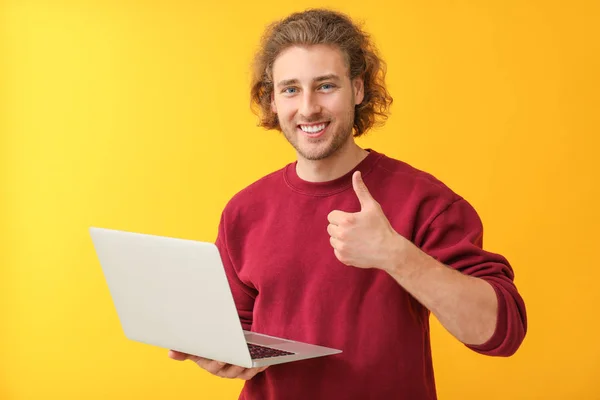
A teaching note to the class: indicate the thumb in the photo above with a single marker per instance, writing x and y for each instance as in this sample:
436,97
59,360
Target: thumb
363,194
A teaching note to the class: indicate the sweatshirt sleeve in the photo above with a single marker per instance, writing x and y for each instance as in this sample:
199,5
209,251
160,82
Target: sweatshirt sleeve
455,238
242,294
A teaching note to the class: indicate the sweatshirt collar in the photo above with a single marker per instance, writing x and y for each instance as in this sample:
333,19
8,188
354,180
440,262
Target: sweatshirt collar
328,188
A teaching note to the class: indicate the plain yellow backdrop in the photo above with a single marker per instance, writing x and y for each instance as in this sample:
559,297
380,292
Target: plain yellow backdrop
135,115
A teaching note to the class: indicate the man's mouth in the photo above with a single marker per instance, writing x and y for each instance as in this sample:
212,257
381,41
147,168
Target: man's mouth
314,130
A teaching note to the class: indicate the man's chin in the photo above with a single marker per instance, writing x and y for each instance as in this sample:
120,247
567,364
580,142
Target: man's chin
317,152
315,149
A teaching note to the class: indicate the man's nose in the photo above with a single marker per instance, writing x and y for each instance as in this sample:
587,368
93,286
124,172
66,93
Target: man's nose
310,105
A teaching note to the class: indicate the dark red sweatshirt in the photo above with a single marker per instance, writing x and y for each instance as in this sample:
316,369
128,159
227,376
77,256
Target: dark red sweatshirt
287,282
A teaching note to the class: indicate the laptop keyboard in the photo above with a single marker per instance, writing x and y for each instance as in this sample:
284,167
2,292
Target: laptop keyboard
257,352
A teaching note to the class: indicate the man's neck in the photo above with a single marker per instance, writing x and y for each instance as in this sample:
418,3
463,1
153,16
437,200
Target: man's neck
334,166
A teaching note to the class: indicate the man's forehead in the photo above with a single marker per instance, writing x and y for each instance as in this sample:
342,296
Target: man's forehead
309,62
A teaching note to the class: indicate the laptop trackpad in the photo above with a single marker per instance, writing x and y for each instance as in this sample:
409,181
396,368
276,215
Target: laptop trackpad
263,340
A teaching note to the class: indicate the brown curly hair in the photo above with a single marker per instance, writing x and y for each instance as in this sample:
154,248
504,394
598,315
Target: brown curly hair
322,26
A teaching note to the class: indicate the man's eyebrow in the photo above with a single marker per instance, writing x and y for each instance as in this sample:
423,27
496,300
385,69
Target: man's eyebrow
287,82
329,77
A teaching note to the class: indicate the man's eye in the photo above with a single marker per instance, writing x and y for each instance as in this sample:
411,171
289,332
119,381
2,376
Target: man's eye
327,86
289,90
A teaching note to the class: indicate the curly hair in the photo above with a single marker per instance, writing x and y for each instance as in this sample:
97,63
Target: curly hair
322,26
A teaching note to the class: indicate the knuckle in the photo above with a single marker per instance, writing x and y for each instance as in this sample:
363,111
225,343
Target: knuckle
220,374
224,372
342,257
232,373
247,374
213,367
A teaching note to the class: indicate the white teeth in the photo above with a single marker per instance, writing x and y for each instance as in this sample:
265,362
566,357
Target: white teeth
312,128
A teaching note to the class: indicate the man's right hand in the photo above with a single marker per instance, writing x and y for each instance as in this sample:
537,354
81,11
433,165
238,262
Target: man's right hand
218,368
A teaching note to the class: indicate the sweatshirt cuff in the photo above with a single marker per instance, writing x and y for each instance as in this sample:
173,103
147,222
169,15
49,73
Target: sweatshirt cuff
493,345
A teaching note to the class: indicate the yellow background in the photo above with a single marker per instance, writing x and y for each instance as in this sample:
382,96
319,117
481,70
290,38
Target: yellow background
134,115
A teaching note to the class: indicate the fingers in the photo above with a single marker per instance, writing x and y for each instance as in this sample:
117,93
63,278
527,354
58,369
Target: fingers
203,363
177,355
343,259
337,217
218,368
231,371
334,231
335,243
251,373
214,367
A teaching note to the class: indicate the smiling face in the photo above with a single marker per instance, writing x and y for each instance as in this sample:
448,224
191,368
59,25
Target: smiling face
314,99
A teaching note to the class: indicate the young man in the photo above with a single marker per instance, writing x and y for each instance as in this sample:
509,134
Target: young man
348,248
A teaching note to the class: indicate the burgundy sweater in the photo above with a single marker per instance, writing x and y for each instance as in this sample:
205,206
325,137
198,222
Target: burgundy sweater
287,282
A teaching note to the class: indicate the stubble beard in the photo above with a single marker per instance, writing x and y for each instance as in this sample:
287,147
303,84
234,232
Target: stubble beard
337,140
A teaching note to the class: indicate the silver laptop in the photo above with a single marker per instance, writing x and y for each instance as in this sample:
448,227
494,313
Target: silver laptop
173,293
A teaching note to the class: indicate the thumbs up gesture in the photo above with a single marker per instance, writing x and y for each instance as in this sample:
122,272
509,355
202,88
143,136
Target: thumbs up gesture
364,239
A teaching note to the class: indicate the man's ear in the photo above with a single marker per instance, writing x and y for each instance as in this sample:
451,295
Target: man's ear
273,106
358,86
